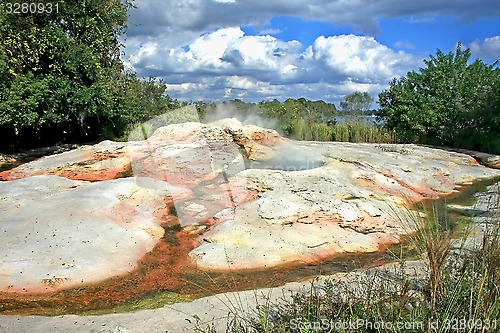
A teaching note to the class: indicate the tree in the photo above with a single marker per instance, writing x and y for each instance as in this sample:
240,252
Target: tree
273,109
61,76
138,101
450,101
356,103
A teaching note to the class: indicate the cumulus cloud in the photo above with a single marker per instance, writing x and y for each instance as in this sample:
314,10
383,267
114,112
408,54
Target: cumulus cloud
359,57
487,49
226,51
156,16
226,63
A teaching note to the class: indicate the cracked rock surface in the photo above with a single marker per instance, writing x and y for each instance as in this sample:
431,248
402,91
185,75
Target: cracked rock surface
248,197
352,203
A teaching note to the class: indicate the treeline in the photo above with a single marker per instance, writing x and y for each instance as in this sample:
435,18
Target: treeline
303,119
281,112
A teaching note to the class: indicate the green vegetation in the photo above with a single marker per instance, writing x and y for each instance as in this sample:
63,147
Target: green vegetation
61,77
62,80
293,109
302,119
459,291
345,132
449,102
270,111
356,105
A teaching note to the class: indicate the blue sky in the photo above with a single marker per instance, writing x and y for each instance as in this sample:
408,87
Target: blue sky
255,50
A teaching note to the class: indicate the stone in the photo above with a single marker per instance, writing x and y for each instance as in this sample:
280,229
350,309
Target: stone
249,198
6,160
489,160
212,311
177,153
354,202
59,233
104,161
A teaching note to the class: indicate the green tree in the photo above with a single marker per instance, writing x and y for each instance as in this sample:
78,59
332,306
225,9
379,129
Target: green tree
139,100
450,101
60,66
355,105
61,76
273,109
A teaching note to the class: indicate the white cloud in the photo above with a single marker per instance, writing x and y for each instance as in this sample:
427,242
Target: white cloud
270,31
404,45
157,17
208,50
360,58
488,49
223,51
226,63
241,83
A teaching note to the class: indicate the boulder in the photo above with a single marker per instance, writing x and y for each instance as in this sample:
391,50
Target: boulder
6,160
186,152
355,201
103,161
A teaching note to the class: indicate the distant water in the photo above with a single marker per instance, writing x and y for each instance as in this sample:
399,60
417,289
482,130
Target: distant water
367,120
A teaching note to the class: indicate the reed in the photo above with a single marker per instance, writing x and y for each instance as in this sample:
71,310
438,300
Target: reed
299,129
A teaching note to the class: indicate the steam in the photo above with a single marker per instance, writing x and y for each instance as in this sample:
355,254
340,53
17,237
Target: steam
290,157
207,164
181,115
251,115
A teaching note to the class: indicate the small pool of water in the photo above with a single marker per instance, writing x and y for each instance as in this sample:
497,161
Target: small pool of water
285,163
455,220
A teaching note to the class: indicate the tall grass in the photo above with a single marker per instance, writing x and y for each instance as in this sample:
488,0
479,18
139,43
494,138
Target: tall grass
432,240
457,290
300,129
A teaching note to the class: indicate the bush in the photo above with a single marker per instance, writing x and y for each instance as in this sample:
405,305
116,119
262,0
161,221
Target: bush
299,129
449,102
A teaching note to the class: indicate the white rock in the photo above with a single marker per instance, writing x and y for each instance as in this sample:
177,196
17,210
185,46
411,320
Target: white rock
57,233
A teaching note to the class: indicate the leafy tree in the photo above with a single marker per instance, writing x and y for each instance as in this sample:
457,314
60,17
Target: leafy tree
273,109
291,109
450,101
323,112
62,79
60,66
140,100
355,105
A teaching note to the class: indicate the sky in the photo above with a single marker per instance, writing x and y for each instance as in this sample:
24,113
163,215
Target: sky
254,50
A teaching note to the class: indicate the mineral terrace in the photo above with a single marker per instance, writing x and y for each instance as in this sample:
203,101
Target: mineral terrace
247,197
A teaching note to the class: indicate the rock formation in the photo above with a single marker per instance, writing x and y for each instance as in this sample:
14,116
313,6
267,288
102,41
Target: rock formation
58,233
248,197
